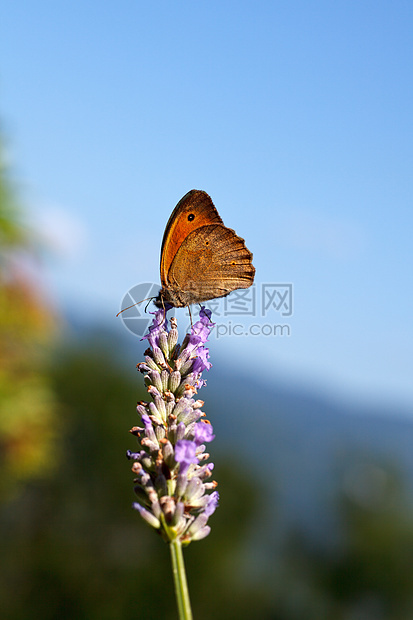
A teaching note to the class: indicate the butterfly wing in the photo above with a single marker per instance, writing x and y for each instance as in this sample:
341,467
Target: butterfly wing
193,211
211,262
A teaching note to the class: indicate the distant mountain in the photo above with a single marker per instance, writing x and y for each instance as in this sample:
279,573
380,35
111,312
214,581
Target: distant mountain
303,440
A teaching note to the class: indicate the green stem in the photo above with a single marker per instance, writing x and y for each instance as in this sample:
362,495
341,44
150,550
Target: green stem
181,586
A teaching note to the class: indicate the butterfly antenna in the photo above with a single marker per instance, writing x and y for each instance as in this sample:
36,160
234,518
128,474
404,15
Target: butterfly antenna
136,304
190,315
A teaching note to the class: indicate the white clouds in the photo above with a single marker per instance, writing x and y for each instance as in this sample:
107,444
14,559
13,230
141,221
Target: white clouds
61,231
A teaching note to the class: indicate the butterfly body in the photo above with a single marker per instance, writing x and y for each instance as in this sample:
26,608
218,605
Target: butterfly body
201,258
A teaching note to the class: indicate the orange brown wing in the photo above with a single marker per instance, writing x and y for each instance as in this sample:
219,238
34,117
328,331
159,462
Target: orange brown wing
211,262
193,211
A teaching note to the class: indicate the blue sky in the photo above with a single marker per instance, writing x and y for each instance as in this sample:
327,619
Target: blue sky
296,117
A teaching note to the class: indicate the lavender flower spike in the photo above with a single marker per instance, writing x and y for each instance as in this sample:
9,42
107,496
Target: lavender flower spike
170,463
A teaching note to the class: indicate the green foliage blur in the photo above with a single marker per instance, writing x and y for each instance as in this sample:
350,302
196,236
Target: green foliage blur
72,548
28,408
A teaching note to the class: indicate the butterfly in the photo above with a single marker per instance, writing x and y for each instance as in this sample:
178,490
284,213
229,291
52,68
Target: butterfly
201,258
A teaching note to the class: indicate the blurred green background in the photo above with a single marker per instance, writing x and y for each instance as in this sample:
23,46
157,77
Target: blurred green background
297,117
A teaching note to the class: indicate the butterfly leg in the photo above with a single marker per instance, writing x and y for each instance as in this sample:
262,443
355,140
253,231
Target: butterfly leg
150,299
